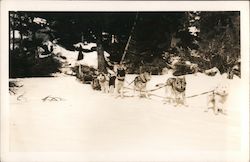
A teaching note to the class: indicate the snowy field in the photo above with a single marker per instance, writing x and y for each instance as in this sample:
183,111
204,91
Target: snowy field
88,120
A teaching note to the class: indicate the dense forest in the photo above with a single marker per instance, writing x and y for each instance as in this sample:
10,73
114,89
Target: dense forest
209,39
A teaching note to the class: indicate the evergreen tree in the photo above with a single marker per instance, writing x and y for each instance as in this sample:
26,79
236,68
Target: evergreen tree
220,39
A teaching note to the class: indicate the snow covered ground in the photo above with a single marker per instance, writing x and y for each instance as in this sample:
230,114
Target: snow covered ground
88,120
90,58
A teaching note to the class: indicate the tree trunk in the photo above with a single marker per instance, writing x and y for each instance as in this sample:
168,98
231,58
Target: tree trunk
13,40
21,43
82,37
101,59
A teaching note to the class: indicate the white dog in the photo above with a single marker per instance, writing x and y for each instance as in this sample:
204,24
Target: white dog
104,82
217,99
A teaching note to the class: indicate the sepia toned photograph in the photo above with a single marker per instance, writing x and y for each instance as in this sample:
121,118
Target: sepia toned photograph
126,85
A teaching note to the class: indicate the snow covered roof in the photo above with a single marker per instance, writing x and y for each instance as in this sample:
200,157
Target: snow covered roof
85,45
39,20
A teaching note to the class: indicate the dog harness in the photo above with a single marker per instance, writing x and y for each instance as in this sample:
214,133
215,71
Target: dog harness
120,79
121,74
219,94
142,79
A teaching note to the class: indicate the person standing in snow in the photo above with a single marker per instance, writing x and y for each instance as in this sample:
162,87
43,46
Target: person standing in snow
80,54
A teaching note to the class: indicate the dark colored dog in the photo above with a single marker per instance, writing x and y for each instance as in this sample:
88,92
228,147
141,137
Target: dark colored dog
112,84
95,84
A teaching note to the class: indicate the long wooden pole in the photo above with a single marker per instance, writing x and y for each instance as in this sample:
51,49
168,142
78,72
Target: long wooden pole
129,38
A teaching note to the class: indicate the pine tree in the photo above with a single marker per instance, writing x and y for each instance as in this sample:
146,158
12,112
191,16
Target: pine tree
220,41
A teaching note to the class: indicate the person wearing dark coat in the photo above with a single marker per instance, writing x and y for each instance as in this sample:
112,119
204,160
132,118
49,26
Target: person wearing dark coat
80,54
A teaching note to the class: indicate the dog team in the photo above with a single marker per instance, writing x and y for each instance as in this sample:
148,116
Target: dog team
175,88
113,81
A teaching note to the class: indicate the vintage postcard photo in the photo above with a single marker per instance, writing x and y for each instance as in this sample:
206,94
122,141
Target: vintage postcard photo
124,81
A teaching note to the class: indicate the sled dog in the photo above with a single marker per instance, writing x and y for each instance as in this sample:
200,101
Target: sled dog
95,83
112,84
119,82
112,77
175,90
217,99
140,84
104,82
